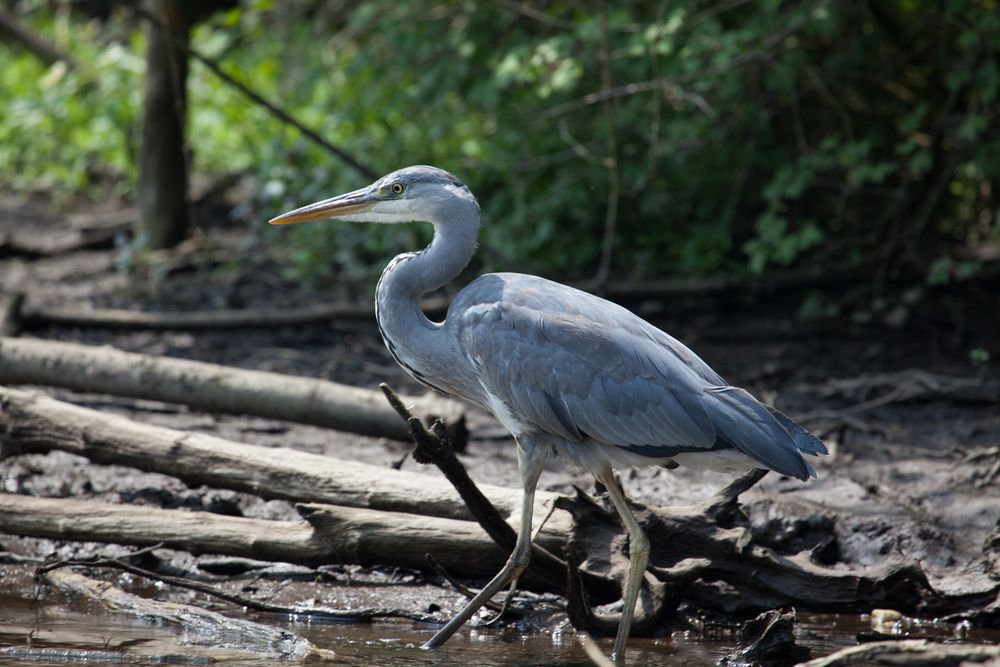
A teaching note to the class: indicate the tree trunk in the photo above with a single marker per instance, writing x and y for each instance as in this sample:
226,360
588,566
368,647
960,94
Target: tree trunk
163,163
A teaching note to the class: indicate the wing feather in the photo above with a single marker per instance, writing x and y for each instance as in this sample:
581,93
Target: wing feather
579,367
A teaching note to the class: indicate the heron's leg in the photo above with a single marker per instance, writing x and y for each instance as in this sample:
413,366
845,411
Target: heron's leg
513,585
531,460
638,559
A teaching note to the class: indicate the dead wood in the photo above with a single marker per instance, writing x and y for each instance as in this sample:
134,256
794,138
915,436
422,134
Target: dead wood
120,220
912,385
11,320
768,641
34,423
197,532
329,534
691,546
320,613
909,653
110,318
694,546
201,627
33,246
775,281
213,388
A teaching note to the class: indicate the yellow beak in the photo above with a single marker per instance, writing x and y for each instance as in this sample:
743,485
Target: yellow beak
352,202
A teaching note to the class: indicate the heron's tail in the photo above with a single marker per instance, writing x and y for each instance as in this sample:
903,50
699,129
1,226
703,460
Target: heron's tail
804,440
762,432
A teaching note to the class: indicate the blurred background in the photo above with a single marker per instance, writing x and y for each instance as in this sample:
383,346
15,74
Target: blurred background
846,145
804,191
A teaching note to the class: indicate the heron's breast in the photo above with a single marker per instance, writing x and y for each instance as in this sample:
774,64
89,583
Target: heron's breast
504,415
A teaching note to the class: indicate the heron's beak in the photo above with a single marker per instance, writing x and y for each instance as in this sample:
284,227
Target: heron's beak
352,202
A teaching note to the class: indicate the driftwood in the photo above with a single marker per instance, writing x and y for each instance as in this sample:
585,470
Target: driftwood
329,534
213,388
11,322
694,546
120,220
767,641
909,653
35,423
59,243
109,318
912,385
317,613
200,627
689,543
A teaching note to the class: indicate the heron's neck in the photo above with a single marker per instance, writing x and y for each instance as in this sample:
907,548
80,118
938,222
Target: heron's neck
419,345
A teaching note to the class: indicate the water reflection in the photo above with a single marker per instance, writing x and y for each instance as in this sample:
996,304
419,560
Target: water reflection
37,635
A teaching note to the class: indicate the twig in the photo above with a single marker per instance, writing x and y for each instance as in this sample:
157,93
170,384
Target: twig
459,586
355,615
431,448
661,85
672,87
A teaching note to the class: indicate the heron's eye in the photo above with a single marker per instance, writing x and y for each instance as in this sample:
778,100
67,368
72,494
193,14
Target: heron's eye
397,188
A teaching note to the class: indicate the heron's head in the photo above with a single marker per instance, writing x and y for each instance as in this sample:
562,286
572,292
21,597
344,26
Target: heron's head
405,195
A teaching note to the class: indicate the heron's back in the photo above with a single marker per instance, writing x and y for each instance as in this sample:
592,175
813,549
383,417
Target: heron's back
590,373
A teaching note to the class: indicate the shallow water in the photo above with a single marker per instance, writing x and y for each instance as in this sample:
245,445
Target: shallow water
41,635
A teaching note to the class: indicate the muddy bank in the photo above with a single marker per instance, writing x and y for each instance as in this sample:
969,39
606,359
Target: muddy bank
907,477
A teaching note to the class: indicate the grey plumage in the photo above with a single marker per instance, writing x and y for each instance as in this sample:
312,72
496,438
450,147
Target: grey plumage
583,369
564,370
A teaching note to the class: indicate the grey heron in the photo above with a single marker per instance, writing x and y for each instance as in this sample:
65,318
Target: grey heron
566,372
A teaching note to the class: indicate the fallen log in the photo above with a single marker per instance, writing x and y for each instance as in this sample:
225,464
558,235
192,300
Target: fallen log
56,644
912,385
215,388
34,423
313,612
693,546
200,627
329,534
11,322
909,653
35,246
111,318
120,220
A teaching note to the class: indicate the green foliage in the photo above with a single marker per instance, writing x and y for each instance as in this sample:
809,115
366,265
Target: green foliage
979,356
62,129
747,136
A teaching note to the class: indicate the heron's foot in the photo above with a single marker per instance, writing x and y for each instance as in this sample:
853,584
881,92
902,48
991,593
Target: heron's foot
503,608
